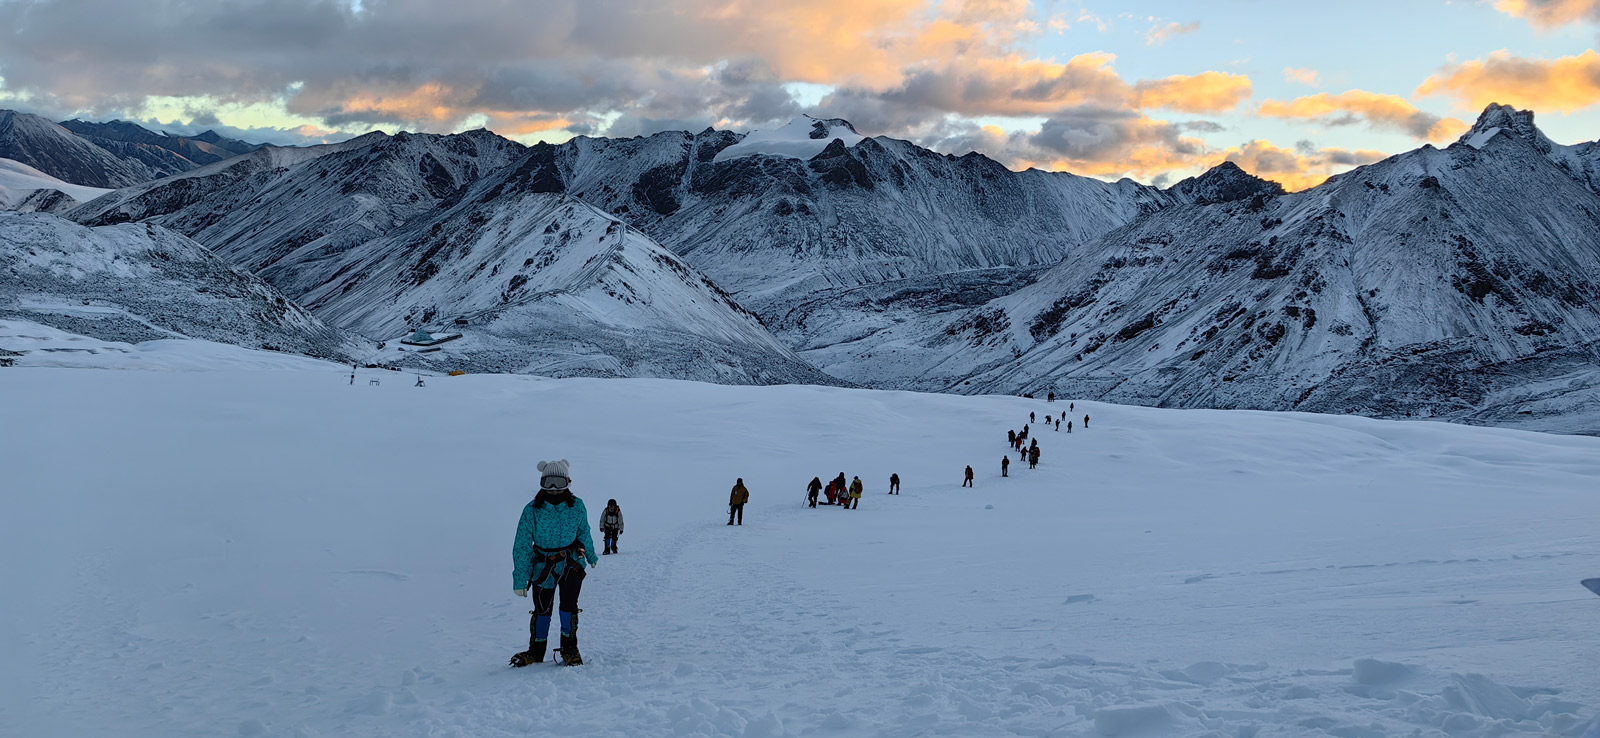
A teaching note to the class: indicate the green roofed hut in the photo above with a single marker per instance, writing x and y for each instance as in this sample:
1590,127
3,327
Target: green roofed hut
420,337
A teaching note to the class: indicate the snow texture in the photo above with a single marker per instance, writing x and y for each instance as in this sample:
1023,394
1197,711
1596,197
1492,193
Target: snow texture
270,550
23,188
137,282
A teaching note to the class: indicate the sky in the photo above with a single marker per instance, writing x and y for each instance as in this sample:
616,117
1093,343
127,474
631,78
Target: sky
1150,90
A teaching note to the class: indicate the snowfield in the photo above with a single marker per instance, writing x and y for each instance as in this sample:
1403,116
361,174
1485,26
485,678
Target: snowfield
266,550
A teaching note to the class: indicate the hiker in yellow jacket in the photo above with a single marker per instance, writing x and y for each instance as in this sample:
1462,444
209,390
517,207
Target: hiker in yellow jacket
855,493
736,501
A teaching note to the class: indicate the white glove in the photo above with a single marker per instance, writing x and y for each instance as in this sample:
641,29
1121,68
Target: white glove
594,563
520,592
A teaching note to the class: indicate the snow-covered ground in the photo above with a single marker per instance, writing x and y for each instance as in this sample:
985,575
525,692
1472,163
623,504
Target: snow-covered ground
265,549
18,180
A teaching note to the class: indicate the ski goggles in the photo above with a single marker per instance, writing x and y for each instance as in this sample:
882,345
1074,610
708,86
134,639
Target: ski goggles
553,481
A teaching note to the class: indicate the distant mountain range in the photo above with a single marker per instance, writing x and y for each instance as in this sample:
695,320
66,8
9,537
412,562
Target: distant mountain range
110,155
1459,283
1455,283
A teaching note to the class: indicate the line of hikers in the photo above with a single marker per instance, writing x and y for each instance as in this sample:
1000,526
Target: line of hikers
1030,451
553,548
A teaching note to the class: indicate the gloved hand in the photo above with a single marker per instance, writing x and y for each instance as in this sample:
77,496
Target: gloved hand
520,592
594,564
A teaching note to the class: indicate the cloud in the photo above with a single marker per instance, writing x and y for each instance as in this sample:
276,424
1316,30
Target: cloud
1159,34
1552,13
1301,76
1298,168
430,65
1565,83
1207,92
1390,112
1086,139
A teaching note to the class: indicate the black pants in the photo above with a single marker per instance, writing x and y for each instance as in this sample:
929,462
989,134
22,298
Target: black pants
894,489
813,498
544,600
734,510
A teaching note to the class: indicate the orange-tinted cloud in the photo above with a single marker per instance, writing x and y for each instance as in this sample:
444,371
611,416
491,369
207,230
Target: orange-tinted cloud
1295,169
1566,83
1207,92
1382,111
1301,76
1552,13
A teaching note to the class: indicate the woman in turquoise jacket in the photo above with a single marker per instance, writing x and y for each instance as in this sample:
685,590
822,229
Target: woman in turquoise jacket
552,547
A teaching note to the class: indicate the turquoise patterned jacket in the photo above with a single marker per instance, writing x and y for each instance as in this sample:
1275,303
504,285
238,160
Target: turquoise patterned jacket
551,527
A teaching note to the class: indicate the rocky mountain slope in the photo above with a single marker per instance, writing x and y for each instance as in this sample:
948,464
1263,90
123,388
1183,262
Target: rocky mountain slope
258,209
774,229
60,153
139,282
1459,283
547,284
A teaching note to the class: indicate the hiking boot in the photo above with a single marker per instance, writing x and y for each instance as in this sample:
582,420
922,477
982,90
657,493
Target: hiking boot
534,655
569,651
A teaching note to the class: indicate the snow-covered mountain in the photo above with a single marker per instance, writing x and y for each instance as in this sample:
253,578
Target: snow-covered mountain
161,151
772,228
109,155
802,138
546,284
353,232
258,209
139,282
62,154
28,190
1458,283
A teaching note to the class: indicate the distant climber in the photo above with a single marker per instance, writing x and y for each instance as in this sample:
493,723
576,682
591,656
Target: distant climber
736,500
1050,397
855,493
813,489
1011,437
968,481
1086,420
550,551
894,484
1033,457
1005,466
611,526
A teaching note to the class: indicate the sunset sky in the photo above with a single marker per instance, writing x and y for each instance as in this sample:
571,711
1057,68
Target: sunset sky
1291,91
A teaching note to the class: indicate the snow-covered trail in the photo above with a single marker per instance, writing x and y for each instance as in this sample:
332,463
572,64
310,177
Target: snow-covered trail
280,553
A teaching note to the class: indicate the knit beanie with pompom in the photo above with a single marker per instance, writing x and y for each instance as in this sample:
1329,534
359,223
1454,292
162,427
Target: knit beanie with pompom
553,475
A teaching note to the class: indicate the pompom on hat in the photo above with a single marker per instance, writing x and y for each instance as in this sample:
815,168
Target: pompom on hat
553,475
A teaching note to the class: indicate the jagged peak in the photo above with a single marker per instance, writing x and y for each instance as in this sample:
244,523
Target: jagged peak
1497,118
834,148
1224,182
